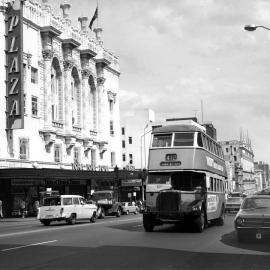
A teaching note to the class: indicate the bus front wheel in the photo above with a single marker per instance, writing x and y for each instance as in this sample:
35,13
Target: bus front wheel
148,223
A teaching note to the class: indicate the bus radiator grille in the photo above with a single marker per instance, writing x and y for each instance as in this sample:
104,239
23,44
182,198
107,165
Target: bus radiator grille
168,201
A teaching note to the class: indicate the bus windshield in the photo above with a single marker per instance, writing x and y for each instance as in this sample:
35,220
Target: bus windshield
159,178
183,139
162,140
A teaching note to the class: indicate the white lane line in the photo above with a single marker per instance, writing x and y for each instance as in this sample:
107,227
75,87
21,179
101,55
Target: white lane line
66,227
35,244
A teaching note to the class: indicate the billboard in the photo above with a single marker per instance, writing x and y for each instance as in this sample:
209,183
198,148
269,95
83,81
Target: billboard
14,66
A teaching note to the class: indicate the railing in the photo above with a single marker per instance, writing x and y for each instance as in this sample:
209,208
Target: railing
93,132
57,124
76,128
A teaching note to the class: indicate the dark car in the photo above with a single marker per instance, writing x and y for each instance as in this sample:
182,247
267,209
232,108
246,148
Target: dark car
233,204
253,218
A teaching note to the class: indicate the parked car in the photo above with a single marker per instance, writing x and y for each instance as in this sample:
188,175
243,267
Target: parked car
253,218
66,207
233,204
129,207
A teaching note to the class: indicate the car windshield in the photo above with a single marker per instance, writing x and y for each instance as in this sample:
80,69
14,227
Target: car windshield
234,200
101,196
251,203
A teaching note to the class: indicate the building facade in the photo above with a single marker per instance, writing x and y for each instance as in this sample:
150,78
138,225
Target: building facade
66,110
59,105
239,160
262,169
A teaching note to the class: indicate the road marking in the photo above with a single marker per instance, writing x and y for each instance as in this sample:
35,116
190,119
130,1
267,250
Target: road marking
67,227
30,245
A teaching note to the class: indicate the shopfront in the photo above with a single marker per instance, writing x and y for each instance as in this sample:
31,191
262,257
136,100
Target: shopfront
25,184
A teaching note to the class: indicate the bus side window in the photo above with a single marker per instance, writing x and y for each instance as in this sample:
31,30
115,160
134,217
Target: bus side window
199,139
212,183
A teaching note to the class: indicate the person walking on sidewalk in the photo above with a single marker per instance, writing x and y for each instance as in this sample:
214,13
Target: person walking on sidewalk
1,209
22,208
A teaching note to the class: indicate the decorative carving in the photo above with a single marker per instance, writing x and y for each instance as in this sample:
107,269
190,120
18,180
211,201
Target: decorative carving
101,80
68,64
47,54
29,60
86,73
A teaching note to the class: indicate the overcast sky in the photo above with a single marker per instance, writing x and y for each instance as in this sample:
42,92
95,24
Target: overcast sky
175,53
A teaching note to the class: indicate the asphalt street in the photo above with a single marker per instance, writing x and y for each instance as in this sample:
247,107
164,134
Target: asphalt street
121,243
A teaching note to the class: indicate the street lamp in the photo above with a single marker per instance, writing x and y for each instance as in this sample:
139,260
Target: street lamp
252,27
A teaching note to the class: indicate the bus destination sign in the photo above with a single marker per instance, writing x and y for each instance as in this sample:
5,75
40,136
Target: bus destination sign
170,160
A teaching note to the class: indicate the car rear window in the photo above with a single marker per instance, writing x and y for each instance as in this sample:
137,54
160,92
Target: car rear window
52,201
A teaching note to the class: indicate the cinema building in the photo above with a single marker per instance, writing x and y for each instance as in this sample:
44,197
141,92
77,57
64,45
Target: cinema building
59,104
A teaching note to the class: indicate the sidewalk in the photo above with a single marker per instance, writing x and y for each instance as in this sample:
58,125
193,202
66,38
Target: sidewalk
17,219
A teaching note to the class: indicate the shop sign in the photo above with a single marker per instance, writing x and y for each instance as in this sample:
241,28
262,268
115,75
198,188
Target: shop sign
131,182
27,182
14,67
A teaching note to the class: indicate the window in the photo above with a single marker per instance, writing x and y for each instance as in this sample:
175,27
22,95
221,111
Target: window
123,144
34,75
183,139
227,150
162,140
235,158
130,140
76,201
57,153
234,149
67,201
34,106
24,148
124,157
111,128
130,159
199,140
54,112
111,105
76,154
123,131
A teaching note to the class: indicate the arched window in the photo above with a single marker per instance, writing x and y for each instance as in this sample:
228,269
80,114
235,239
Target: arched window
76,97
56,92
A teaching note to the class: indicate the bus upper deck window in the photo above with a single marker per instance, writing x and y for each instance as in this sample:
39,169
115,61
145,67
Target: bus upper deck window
183,139
199,140
162,140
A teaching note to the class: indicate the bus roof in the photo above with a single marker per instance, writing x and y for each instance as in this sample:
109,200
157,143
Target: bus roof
176,128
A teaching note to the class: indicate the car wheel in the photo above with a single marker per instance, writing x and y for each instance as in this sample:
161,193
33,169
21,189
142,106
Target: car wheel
46,222
93,218
118,213
148,223
72,219
127,212
221,219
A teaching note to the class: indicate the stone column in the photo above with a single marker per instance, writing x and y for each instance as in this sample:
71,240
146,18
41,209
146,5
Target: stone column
47,56
67,96
86,113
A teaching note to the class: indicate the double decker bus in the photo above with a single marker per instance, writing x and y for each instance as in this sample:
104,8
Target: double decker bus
186,175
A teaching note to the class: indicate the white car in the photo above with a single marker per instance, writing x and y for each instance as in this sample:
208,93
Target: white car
66,207
129,207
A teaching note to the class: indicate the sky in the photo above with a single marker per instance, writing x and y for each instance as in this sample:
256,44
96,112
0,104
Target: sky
178,54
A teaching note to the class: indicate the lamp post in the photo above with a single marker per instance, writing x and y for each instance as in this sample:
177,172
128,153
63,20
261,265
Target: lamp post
252,27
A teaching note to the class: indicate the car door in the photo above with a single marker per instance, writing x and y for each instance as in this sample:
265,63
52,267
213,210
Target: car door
87,211
77,207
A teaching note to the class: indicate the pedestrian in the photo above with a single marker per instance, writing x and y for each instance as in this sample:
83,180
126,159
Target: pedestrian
22,208
1,209
35,207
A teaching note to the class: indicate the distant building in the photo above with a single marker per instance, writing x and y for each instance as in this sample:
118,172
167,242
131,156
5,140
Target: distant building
239,160
264,169
135,131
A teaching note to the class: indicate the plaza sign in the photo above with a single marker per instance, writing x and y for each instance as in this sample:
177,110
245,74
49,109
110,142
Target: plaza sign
14,68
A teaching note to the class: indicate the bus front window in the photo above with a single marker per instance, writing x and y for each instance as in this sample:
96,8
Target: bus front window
164,179
183,139
162,140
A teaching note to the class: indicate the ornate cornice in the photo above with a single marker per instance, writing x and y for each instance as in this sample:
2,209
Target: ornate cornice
47,54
